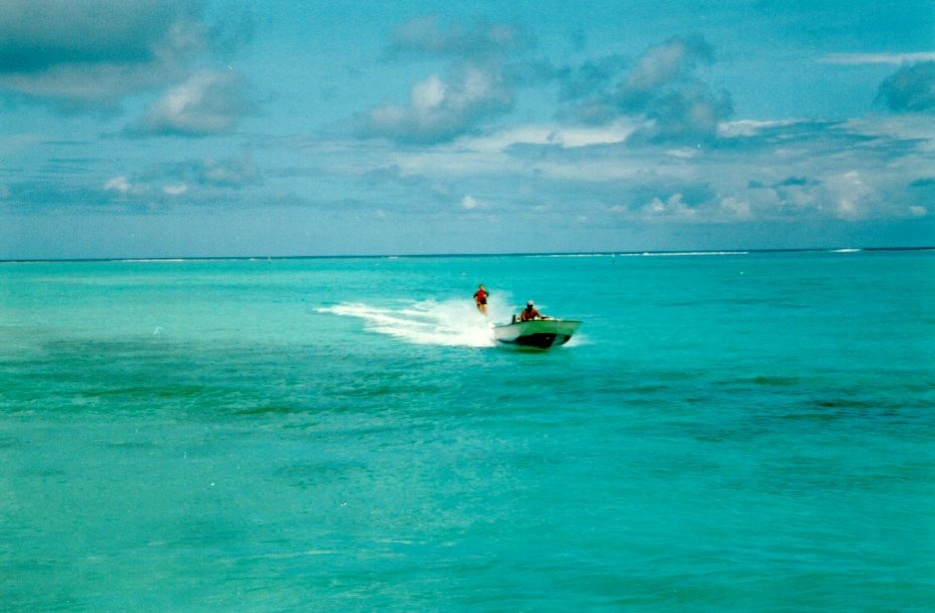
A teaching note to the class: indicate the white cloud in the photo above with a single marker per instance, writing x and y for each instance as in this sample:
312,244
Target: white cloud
845,172
440,110
573,137
911,89
751,127
736,208
917,128
479,83
230,172
207,103
199,181
470,203
673,206
665,91
664,64
877,58
118,184
178,189
566,137
685,153
432,37
94,52
846,192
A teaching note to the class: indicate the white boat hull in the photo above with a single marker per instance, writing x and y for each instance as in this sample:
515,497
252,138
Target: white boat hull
540,333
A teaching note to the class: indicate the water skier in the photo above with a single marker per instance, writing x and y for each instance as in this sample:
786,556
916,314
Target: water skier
480,299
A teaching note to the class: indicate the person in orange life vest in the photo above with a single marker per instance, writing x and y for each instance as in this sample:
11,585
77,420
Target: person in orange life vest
480,298
530,313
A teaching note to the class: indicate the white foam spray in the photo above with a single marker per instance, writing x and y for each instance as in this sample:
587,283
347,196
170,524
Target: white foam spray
451,323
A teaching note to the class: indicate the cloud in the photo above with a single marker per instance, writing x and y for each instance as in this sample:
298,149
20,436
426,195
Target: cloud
207,103
470,203
792,182
479,82
750,127
590,77
781,172
687,115
40,34
94,52
179,189
663,88
673,206
231,173
549,135
848,191
877,58
440,110
89,55
429,36
850,171
672,62
120,184
736,208
207,180
911,89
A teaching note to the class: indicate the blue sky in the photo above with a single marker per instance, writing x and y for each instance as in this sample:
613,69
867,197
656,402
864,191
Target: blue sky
160,128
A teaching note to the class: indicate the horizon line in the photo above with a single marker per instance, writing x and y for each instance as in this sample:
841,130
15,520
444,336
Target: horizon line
639,252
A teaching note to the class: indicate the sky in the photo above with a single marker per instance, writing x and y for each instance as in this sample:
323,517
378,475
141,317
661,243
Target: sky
187,128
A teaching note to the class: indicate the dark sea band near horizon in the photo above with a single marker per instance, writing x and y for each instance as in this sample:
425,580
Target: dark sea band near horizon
365,256
729,431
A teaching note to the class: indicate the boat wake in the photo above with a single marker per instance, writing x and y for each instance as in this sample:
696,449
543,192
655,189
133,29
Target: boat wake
452,323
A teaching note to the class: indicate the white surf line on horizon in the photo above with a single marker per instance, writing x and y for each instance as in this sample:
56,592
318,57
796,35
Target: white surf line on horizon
450,323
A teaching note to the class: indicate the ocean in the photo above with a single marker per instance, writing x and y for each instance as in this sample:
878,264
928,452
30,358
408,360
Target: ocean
742,431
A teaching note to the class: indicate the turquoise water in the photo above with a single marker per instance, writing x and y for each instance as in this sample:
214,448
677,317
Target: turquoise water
726,433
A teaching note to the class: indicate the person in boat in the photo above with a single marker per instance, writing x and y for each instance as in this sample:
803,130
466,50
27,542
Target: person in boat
530,313
480,298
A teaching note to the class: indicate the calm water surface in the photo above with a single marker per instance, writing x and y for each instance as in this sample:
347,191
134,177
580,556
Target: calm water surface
726,433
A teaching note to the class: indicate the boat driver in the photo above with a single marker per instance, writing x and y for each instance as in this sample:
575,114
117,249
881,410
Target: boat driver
530,313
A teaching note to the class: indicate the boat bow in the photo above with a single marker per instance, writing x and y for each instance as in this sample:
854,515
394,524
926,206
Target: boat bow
540,333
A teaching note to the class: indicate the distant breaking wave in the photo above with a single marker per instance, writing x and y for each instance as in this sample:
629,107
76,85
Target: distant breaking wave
453,323
641,254
682,253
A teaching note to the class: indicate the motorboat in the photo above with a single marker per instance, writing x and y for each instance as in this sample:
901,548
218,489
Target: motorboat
539,333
